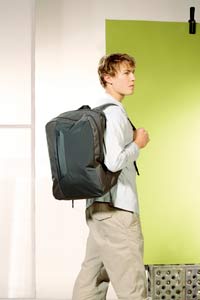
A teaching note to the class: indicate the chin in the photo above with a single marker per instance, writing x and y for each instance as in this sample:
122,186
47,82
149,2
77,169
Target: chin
129,93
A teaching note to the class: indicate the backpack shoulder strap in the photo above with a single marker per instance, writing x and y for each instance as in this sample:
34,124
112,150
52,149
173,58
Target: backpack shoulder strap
103,106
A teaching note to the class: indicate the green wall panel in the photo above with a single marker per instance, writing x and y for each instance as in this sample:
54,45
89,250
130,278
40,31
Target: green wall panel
166,102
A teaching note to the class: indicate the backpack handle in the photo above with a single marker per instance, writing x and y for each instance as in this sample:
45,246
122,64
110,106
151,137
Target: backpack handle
85,107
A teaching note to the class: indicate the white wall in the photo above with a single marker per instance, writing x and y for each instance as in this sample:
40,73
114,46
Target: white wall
17,263
70,39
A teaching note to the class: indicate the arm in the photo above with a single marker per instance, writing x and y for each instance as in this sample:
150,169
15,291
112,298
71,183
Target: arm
118,153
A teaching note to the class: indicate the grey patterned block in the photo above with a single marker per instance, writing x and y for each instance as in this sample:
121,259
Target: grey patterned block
192,282
178,282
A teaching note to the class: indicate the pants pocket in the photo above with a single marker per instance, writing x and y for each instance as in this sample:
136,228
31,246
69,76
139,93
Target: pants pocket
101,211
125,218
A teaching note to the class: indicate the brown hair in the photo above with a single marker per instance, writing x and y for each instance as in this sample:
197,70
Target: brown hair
109,64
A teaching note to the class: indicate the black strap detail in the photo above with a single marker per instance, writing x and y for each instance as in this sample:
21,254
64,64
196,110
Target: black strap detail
111,198
134,128
136,168
135,165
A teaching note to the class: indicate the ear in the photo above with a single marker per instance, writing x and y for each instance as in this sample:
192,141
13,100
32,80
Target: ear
108,78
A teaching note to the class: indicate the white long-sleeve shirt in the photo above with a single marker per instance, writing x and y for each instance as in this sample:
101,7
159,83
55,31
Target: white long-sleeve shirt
120,154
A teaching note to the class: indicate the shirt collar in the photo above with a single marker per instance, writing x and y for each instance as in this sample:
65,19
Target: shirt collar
109,99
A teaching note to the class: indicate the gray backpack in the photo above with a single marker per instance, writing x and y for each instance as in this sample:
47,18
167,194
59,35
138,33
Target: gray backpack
76,150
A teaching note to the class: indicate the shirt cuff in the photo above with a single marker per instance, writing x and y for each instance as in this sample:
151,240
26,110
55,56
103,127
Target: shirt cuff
135,150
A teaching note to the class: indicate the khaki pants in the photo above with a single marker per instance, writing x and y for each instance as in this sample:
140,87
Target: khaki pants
114,253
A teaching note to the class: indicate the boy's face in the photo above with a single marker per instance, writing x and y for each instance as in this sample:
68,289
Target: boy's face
122,84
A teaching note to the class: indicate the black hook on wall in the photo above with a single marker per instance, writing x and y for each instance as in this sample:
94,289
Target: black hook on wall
192,22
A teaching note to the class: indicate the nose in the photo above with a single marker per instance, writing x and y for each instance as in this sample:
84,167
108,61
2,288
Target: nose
132,76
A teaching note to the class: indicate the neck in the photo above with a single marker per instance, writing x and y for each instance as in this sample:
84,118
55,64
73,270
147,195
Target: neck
115,95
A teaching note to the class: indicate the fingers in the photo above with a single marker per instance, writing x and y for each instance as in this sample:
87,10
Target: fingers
141,137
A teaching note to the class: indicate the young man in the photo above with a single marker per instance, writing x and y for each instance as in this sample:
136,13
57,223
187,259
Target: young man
115,243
